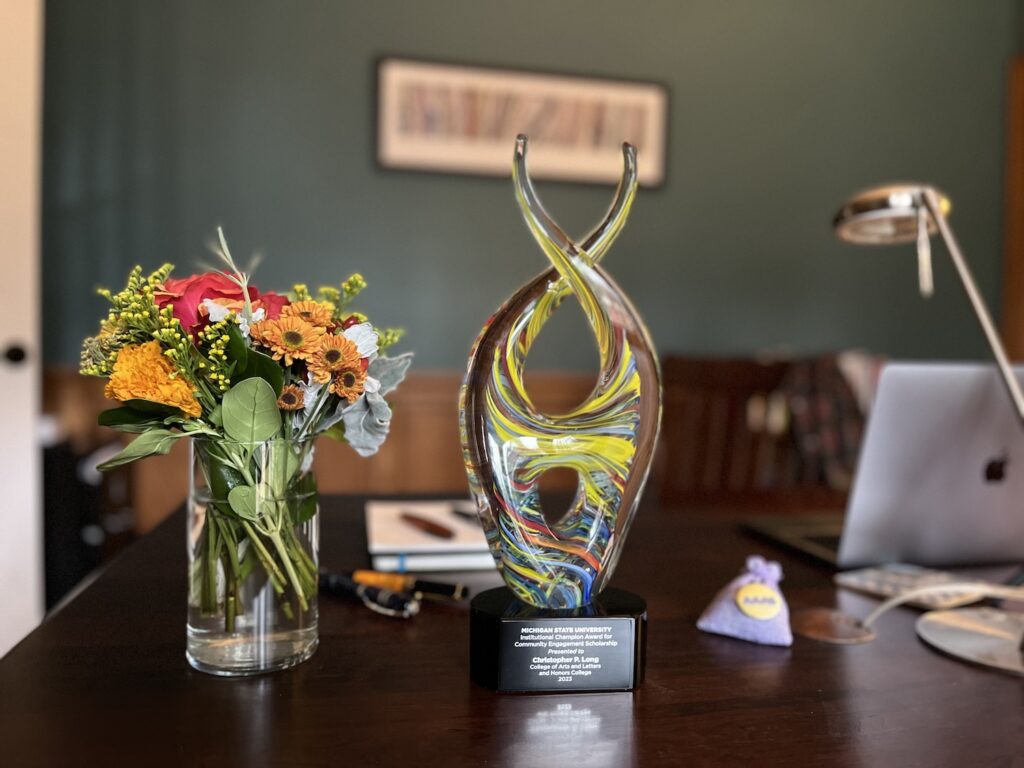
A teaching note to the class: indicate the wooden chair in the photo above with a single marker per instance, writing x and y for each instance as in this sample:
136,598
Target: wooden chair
727,439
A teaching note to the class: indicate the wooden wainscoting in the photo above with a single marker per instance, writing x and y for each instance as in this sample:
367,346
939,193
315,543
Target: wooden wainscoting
422,455
1013,228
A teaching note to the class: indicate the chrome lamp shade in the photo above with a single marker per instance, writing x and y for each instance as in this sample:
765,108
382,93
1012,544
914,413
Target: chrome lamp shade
886,215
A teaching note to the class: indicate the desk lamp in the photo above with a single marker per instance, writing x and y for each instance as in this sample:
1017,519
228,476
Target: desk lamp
904,213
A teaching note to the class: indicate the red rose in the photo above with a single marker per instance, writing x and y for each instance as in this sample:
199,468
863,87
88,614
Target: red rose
187,295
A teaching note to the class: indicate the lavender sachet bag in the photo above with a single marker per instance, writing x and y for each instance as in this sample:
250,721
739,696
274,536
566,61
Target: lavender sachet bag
751,607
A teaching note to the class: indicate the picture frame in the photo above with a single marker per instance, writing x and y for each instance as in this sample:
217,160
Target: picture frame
452,118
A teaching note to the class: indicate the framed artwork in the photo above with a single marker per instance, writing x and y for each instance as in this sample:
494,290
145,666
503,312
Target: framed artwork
459,119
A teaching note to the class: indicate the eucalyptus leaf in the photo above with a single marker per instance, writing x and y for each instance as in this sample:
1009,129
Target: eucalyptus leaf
250,412
155,441
367,422
389,371
242,499
333,419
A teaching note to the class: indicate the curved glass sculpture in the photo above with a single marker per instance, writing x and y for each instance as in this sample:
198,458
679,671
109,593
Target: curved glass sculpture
608,440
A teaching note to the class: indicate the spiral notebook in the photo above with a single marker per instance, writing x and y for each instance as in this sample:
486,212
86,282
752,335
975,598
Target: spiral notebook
395,544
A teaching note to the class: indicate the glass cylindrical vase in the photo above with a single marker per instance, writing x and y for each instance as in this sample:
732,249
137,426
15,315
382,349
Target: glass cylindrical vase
253,541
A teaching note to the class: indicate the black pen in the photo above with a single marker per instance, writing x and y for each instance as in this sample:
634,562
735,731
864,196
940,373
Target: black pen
377,599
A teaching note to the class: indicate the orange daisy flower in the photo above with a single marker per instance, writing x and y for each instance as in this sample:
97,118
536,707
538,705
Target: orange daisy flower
258,330
291,338
349,383
313,312
336,353
291,399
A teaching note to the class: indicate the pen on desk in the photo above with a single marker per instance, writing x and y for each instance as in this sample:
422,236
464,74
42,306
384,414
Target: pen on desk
428,527
384,601
400,582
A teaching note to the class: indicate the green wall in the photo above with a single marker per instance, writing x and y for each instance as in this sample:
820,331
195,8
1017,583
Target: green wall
165,119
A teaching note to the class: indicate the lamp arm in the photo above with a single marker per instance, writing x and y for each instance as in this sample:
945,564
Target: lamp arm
931,201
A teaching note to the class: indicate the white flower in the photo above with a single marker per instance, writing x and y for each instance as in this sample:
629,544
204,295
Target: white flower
243,324
310,392
217,312
364,337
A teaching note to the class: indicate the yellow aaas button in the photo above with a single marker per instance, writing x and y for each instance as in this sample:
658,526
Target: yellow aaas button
759,601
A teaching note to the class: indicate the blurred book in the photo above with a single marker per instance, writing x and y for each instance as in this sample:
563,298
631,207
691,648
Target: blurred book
426,536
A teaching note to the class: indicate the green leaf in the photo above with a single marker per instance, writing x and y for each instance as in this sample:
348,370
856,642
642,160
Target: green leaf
250,412
284,462
140,416
156,409
127,420
223,478
237,350
242,499
336,431
216,416
304,501
249,364
264,367
147,444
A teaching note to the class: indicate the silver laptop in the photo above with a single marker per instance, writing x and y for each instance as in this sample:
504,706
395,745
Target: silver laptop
940,480
941,474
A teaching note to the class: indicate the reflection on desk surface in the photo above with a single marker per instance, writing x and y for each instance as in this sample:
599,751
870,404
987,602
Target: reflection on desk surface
594,730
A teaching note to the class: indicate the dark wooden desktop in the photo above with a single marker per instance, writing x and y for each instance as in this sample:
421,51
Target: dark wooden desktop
104,681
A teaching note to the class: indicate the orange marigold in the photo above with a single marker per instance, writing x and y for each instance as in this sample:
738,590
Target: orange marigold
143,372
336,353
291,338
349,383
313,312
291,399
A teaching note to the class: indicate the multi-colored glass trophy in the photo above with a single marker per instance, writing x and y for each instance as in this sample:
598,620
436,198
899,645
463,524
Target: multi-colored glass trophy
555,626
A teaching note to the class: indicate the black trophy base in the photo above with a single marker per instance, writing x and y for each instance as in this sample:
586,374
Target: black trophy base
514,647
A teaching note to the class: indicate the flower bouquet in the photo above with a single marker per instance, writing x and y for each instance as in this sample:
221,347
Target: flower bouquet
253,378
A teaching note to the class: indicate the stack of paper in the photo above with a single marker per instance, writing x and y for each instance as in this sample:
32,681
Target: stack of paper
398,544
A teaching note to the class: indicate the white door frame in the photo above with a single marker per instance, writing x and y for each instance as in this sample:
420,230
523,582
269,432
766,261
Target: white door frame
21,528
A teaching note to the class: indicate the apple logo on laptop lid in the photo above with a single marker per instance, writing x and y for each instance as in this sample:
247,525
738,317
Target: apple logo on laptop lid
995,468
